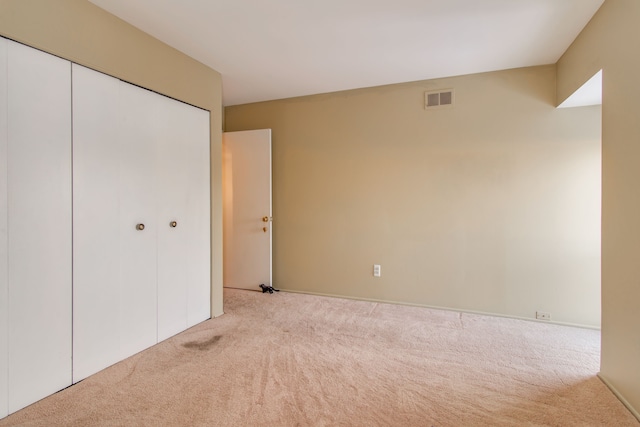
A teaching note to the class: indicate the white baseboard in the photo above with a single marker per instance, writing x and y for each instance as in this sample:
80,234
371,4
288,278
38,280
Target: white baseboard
458,310
624,401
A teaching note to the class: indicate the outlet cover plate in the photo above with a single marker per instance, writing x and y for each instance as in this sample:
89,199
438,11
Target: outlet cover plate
543,315
376,270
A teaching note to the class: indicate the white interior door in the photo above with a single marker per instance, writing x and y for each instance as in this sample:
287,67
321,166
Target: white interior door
247,208
4,275
39,224
96,207
138,222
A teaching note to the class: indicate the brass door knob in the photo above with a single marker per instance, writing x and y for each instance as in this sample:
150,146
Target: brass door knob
173,224
140,227
265,219
264,229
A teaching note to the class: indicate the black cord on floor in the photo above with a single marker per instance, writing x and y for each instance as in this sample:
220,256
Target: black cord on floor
269,288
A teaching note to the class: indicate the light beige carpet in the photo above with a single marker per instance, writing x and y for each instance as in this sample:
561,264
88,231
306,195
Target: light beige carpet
299,360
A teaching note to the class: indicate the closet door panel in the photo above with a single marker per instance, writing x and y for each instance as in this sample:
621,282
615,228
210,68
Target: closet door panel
173,193
96,227
4,278
137,188
198,218
39,224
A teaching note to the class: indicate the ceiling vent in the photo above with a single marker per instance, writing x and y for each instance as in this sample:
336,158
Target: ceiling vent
442,98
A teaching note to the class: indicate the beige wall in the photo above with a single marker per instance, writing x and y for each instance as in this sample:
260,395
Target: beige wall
610,42
491,206
81,32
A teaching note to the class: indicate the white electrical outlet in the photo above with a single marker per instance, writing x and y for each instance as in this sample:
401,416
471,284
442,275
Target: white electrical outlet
376,270
542,315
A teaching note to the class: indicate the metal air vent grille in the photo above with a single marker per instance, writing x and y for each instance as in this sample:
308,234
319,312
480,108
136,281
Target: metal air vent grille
439,99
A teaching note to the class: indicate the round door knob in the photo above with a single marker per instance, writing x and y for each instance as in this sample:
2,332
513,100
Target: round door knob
265,219
173,224
264,229
140,227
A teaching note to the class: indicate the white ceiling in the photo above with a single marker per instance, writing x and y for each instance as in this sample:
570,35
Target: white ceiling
590,93
283,48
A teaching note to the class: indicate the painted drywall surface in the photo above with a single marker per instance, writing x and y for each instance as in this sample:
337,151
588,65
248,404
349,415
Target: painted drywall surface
610,42
491,206
81,32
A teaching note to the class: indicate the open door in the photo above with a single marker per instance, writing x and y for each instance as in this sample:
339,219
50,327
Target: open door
247,221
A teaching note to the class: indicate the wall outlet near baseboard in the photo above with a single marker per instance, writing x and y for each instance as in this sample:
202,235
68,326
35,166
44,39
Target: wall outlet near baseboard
376,270
543,315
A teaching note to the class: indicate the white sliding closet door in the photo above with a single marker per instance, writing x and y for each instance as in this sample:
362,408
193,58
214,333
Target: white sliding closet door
141,219
4,278
173,193
183,218
39,224
138,224
96,210
115,296
198,218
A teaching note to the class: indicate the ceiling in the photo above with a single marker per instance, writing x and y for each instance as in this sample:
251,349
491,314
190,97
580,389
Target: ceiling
284,48
590,93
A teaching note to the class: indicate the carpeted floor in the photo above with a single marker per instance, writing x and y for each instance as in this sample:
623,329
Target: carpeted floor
299,360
